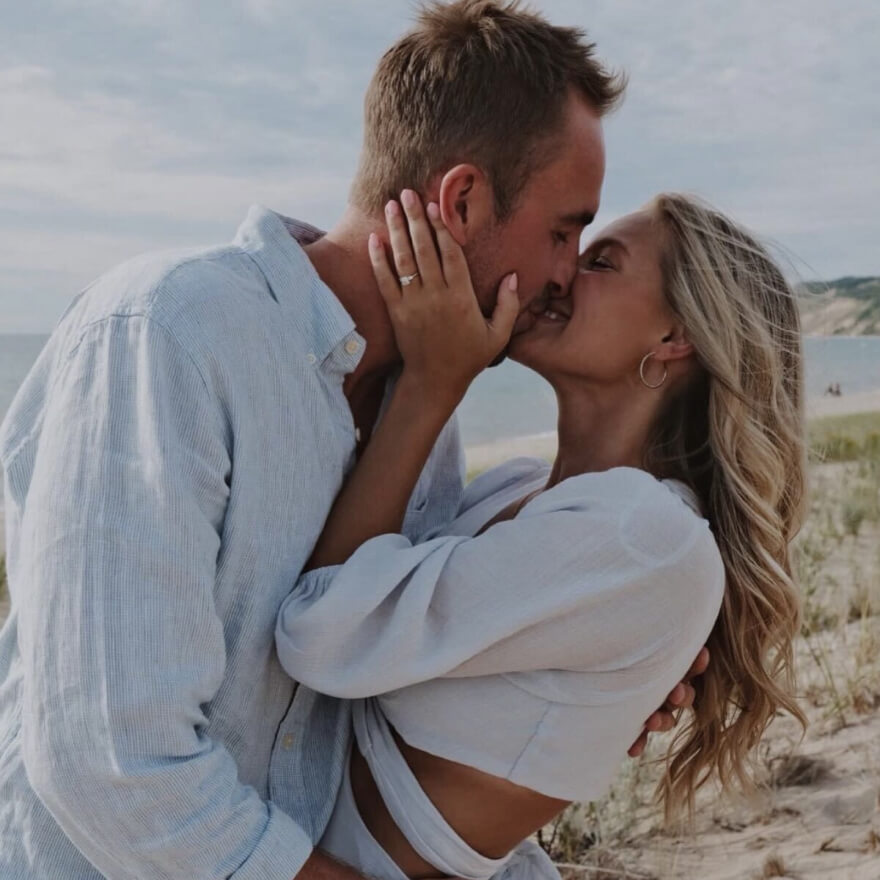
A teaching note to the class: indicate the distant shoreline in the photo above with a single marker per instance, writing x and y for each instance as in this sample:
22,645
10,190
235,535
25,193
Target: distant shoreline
841,336
480,456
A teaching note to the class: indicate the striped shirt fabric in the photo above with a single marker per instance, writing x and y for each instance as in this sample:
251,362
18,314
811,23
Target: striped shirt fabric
168,465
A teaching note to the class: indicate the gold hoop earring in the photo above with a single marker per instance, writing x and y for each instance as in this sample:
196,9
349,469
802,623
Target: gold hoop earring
645,382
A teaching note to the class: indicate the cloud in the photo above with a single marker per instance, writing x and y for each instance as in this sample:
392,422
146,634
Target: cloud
105,153
769,110
131,124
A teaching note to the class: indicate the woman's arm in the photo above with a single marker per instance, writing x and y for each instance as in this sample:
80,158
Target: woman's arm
445,342
561,586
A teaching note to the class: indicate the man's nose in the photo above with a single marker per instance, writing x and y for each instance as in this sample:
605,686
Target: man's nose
566,269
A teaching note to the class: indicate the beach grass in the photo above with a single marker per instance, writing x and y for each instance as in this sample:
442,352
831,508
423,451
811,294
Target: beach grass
802,780
839,438
845,438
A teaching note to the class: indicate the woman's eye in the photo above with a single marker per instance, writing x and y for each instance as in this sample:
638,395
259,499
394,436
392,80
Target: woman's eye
599,263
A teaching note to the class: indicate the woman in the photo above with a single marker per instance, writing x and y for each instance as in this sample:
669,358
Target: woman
515,654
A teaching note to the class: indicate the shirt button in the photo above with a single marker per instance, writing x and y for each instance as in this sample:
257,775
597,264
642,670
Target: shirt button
287,741
352,346
311,358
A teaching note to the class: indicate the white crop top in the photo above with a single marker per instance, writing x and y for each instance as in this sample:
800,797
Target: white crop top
534,651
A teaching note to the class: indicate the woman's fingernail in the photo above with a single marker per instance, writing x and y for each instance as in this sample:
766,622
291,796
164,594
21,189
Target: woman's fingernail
408,197
513,282
392,209
433,210
373,241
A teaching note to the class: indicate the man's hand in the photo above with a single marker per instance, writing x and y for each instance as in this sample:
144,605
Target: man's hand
681,697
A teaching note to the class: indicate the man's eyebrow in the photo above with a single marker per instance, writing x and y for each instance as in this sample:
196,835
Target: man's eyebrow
578,218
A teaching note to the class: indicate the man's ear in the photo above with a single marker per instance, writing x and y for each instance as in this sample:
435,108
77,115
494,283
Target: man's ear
466,202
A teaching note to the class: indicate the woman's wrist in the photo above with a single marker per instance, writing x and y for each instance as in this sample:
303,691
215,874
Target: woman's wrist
429,395
374,498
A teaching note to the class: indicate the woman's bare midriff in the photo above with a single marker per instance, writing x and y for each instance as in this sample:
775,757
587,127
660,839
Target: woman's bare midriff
490,814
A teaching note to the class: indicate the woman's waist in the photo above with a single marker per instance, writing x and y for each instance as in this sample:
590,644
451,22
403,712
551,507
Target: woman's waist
429,812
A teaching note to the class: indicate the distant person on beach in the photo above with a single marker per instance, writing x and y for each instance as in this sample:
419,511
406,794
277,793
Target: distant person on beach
170,461
577,591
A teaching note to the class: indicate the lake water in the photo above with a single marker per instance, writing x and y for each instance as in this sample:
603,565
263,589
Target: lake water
509,401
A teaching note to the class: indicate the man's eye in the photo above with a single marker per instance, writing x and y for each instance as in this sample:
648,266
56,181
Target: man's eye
560,237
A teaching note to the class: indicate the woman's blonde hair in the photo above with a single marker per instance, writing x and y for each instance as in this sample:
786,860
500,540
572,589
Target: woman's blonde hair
735,434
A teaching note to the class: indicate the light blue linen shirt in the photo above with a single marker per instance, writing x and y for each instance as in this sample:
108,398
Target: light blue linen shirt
168,465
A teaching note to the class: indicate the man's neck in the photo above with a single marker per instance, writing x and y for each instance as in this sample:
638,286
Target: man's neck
342,261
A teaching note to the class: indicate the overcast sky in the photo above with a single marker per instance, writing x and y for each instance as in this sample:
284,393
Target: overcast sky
130,125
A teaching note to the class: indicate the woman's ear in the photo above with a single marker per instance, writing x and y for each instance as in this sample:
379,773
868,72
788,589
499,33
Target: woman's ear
466,202
675,345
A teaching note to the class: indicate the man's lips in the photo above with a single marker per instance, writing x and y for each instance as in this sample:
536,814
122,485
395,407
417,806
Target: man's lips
524,323
538,306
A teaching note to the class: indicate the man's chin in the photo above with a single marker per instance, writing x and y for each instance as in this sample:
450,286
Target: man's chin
525,322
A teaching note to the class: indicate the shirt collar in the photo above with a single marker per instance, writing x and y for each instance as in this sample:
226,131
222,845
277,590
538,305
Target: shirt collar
275,243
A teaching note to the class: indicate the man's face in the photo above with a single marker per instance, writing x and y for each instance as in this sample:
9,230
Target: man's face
540,239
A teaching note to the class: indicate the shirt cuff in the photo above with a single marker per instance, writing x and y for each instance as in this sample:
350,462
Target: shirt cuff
281,852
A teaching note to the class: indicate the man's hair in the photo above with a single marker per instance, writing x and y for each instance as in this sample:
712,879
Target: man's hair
479,81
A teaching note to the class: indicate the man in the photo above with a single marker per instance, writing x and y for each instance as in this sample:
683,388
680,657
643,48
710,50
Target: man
170,460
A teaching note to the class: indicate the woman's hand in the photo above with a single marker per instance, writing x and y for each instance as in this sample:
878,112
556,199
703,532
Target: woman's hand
442,335
681,697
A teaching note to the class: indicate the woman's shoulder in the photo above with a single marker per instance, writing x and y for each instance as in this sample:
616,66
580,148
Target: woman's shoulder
620,490
503,477
658,521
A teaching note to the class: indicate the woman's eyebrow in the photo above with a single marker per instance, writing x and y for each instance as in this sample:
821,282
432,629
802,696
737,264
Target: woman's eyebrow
607,241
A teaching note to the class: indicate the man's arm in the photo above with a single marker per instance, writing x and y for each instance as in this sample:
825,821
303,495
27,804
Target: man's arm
121,642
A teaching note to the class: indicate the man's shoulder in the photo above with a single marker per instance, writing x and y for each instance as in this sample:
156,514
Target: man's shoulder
191,290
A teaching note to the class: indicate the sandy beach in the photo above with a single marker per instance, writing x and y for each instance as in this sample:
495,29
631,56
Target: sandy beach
845,405
818,816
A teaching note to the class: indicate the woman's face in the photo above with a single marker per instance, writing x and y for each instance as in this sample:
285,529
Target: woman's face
611,317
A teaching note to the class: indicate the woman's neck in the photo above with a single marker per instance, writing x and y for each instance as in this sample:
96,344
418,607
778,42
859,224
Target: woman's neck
599,429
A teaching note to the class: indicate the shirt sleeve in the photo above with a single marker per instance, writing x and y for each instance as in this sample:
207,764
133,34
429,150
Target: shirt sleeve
438,493
121,642
602,571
